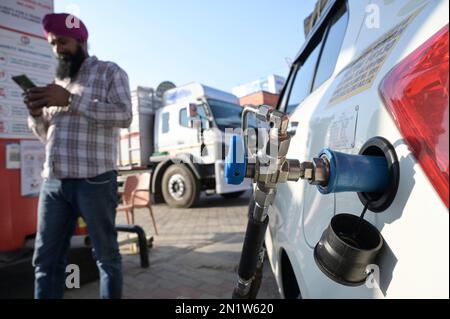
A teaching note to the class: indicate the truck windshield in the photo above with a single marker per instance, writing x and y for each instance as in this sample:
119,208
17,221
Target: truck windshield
226,115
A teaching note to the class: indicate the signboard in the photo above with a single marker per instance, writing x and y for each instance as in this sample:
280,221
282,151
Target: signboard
24,16
12,156
23,50
21,54
32,156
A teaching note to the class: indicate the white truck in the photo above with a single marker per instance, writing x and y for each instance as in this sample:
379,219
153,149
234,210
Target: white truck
183,142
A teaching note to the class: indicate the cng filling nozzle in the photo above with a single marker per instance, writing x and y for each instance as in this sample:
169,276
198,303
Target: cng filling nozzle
331,172
269,168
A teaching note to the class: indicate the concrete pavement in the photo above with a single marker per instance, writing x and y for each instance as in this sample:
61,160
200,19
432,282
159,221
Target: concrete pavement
195,255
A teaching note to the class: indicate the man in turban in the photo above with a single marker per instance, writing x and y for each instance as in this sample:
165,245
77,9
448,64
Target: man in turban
78,117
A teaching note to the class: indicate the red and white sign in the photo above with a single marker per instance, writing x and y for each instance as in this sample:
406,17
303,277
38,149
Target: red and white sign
24,16
23,50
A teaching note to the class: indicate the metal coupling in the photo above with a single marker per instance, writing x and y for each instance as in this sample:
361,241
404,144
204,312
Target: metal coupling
295,171
263,113
250,172
243,287
316,172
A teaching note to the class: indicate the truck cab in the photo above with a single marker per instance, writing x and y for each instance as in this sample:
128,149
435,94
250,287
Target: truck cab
190,144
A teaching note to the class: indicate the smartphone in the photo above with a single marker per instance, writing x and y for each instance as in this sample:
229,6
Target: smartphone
24,82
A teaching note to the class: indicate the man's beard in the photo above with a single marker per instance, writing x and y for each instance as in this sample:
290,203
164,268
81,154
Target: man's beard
70,64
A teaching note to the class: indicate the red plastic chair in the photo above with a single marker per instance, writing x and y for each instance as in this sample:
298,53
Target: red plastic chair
136,194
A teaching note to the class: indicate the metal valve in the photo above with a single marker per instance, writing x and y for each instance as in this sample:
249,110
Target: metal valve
236,161
330,172
270,168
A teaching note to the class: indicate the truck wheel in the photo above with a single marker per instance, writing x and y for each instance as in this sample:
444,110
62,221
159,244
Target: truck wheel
232,195
180,188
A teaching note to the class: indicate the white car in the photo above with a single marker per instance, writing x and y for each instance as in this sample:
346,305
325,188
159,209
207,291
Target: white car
370,69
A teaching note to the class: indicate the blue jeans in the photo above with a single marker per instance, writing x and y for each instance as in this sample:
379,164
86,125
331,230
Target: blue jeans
60,204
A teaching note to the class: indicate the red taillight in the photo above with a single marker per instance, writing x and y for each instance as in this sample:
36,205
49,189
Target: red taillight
416,94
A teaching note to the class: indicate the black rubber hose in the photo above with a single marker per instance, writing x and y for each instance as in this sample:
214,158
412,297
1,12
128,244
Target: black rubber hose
253,242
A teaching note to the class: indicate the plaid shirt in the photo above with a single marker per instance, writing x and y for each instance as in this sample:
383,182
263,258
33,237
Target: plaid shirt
81,140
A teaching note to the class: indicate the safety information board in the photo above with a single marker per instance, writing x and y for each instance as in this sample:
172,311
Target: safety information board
24,16
32,156
24,52
12,156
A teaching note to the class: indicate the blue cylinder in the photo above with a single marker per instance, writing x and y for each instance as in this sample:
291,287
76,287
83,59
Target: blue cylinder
236,161
355,173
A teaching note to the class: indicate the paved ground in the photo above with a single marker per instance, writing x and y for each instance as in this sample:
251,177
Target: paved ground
194,256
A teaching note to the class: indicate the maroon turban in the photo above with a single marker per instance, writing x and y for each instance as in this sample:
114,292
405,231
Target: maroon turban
65,25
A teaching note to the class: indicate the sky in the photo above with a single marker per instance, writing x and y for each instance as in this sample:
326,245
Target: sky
220,43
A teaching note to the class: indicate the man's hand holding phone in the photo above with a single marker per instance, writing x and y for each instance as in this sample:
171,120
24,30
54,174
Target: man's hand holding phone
39,97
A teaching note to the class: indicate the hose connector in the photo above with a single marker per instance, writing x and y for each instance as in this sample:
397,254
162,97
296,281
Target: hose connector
354,173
